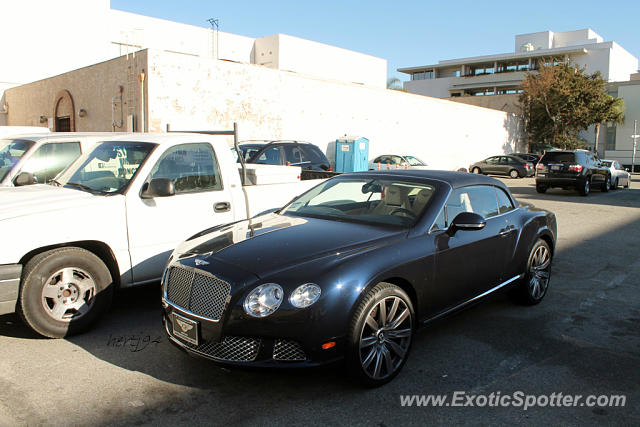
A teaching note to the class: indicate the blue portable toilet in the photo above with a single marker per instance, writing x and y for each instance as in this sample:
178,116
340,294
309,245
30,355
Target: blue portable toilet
352,154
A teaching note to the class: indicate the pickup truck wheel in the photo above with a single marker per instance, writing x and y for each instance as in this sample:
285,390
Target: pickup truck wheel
64,291
606,185
532,288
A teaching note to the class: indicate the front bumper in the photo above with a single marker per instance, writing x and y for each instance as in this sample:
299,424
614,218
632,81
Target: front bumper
9,287
244,345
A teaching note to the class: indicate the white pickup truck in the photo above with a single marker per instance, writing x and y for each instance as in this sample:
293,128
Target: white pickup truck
112,219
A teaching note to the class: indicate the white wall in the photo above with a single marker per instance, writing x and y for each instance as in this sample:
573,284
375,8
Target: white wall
438,88
271,104
624,144
541,40
290,53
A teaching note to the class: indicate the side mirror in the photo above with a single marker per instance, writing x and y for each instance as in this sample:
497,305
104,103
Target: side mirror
25,178
158,187
627,169
467,221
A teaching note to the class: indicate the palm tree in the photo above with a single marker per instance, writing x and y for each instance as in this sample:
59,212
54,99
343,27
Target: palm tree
395,83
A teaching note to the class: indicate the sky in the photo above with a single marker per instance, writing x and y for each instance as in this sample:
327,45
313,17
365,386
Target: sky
409,33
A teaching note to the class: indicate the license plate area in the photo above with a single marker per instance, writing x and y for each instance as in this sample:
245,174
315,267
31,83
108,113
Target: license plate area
185,329
556,167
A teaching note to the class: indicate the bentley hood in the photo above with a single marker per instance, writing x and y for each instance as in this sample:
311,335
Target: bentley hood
272,242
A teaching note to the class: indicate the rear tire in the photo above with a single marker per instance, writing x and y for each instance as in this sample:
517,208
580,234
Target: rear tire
532,288
586,187
514,174
64,291
476,170
606,185
614,184
541,188
380,335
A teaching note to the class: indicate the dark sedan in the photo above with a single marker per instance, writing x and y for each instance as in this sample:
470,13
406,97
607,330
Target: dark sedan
513,166
351,268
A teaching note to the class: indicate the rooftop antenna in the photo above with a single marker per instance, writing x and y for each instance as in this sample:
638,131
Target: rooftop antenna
215,26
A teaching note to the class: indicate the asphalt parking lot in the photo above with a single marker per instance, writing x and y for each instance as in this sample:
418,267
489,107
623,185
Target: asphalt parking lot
583,339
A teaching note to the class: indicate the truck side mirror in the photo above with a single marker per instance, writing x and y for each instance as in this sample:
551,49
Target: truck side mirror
158,187
25,178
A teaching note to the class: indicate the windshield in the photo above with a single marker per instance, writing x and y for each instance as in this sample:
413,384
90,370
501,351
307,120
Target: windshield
249,150
559,156
365,200
108,168
414,161
11,150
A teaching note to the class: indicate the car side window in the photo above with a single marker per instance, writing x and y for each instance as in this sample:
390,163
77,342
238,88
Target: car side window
504,202
492,160
294,154
313,154
49,159
483,200
191,167
270,156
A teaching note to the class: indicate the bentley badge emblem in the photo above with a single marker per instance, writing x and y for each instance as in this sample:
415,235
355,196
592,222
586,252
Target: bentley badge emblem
199,261
186,327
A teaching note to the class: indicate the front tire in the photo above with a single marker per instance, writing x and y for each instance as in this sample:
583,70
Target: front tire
606,185
64,291
380,335
540,188
533,286
476,170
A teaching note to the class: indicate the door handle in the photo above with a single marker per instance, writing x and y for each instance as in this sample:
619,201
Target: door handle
222,207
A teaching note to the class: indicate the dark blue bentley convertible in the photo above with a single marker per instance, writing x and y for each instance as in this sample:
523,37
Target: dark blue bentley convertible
351,268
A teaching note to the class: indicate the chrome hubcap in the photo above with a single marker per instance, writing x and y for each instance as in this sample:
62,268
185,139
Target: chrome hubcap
385,337
539,272
68,294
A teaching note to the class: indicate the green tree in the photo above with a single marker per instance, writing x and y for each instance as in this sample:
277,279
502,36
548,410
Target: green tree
560,100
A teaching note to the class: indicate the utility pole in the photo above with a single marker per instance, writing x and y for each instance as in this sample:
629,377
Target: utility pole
635,137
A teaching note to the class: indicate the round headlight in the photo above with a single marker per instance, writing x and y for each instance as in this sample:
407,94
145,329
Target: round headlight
305,295
263,300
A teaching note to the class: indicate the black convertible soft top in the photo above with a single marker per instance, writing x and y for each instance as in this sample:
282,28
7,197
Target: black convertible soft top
455,179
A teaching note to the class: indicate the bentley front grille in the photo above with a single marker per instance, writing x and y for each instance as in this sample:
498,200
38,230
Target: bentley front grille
233,349
198,293
288,350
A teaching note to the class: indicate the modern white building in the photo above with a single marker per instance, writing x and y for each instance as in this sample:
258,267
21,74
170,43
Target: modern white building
501,74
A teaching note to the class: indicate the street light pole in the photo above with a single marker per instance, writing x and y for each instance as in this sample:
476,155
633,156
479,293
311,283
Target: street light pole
635,137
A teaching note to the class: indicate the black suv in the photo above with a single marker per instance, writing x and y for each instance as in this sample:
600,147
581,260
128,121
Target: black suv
576,169
291,153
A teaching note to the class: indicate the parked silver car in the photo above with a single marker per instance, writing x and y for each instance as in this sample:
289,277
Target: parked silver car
619,175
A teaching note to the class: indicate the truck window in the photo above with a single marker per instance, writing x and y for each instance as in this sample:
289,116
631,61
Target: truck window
191,167
11,150
49,159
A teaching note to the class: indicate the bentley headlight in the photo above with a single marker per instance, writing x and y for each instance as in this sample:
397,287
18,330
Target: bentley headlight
263,300
305,295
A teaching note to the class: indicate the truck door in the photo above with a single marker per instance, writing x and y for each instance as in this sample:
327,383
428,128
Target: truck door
201,200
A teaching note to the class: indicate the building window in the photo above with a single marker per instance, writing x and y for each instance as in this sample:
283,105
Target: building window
422,75
611,138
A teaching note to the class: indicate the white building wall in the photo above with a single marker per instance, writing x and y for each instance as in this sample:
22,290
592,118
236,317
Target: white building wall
438,88
622,64
271,104
624,144
290,53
